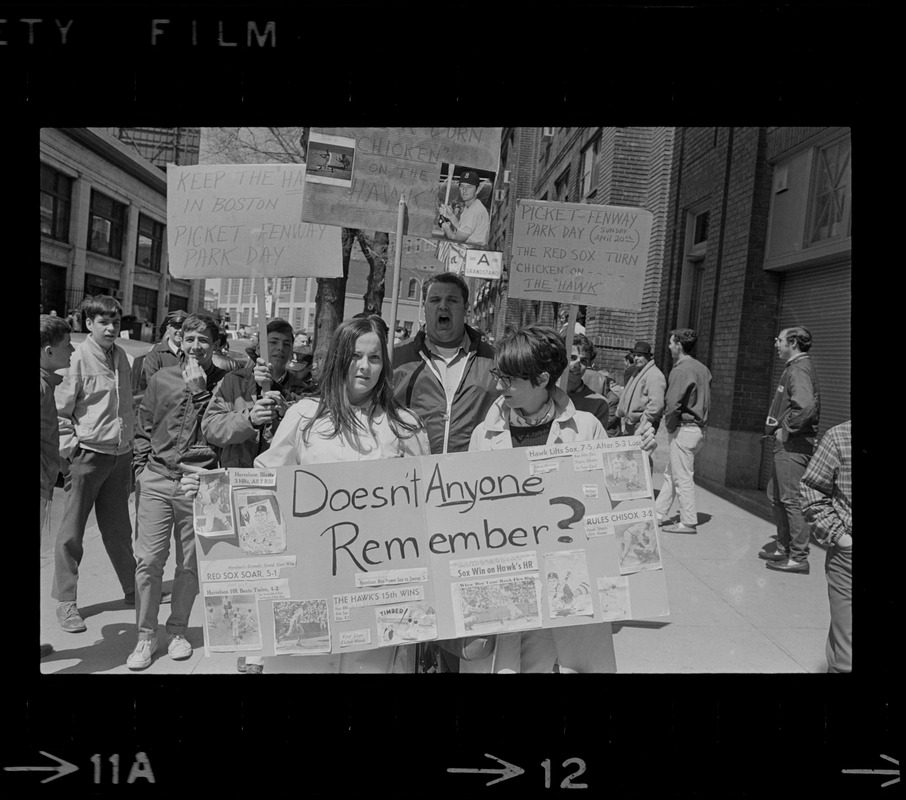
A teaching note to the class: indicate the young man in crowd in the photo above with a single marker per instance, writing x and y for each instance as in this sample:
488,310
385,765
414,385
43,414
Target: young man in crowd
686,409
169,437
56,354
94,410
793,423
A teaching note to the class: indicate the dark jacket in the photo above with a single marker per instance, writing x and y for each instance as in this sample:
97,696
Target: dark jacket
688,398
50,434
417,387
584,399
158,357
797,402
169,425
226,423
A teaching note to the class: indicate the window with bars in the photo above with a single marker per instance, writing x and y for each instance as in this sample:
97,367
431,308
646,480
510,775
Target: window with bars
56,200
144,303
177,302
589,183
561,187
150,243
286,285
106,225
831,198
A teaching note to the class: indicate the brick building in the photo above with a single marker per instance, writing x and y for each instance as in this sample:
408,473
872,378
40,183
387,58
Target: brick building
103,229
609,166
758,239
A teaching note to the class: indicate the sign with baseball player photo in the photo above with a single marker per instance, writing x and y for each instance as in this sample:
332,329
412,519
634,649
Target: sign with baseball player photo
356,176
333,558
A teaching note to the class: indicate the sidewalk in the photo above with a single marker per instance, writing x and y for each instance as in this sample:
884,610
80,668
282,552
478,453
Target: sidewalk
728,613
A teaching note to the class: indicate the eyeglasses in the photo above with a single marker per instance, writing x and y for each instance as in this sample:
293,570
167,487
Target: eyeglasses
506,380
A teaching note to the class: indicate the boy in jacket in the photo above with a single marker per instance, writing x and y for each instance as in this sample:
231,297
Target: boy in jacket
56,353
168,437
94,410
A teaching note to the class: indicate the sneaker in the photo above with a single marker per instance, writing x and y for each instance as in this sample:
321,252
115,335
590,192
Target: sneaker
179,647
69,619
240,664
46,650
254,669
140,658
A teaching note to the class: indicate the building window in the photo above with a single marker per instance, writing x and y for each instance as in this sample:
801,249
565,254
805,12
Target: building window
831,193
150,243
177,302
691,280
144,303
56,199
106,224
561,187
286,285
589,169
297,319
413,288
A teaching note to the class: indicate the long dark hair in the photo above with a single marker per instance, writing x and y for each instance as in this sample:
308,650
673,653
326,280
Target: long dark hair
334,400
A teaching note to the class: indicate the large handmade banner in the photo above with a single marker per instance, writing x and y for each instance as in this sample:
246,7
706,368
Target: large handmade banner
356,175
237,220
335,558
580,253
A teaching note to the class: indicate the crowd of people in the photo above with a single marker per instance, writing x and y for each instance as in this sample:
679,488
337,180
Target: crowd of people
447,390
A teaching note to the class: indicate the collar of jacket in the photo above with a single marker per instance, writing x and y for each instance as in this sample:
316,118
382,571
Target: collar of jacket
51,377
421,341
97,350
498,417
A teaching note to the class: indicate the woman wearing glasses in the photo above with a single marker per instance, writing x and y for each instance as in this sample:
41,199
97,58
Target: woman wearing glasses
533,411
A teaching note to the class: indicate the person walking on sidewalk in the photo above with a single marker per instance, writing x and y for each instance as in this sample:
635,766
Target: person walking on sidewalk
56,353
793,422
685,415
94,410
168,437
643,397
827,505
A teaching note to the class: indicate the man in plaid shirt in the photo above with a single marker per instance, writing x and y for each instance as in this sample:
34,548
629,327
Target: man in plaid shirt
826,491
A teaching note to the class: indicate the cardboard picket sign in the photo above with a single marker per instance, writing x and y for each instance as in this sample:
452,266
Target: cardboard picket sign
336,558
580,253
237,220
356,175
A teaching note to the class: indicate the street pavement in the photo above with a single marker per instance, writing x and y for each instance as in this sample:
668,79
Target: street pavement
728,613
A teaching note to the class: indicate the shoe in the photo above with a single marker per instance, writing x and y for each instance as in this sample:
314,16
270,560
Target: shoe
46,650
254,669
680,528
140,658
179,647
69,619
129,599
789,566
662,520
240,664
775,555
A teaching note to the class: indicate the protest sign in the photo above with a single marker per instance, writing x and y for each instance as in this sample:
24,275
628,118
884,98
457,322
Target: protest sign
354,556
237,220
356,175
580,253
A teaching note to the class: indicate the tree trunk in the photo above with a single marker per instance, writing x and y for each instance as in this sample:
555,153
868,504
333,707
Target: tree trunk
376,256
330,303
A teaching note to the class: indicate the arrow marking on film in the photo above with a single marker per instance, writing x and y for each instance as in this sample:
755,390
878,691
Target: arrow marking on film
508,771
62,768
879,771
